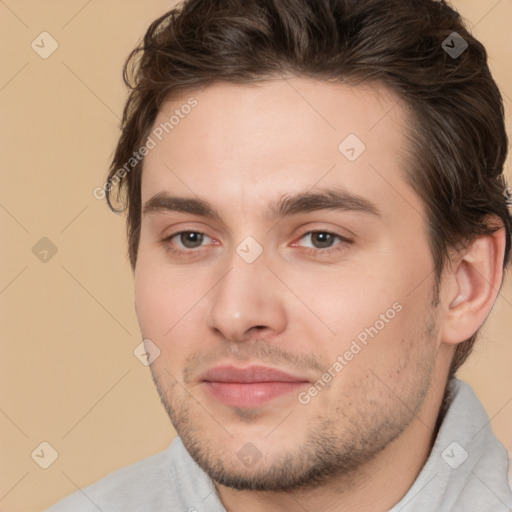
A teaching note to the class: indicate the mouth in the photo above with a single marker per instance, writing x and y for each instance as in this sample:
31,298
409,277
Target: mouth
249,387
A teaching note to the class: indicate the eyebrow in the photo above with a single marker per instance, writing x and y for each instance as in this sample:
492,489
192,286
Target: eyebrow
305,202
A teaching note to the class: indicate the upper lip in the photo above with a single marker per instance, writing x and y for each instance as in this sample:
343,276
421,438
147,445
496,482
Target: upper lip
249,374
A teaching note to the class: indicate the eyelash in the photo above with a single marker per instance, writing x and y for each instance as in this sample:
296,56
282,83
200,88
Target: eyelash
313,251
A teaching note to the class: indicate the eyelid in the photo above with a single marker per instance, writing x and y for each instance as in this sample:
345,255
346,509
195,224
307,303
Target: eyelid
188,227
327,228
347,236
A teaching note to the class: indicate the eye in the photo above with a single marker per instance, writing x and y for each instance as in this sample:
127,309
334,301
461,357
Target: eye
316,242
322,240
186,240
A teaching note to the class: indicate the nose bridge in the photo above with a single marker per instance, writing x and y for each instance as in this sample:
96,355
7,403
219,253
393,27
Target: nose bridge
245,297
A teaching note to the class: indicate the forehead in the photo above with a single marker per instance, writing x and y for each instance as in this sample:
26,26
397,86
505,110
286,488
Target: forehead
248,144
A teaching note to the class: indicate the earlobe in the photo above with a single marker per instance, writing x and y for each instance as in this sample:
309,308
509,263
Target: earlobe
474,285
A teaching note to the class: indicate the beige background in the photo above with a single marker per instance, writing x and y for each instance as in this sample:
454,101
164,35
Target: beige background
68,375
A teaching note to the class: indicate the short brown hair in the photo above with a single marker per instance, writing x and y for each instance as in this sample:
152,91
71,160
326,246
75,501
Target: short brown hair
458,139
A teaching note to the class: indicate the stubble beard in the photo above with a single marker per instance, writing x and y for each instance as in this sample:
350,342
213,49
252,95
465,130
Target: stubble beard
329,449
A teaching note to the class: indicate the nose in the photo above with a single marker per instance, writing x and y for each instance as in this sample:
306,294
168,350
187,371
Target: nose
247,302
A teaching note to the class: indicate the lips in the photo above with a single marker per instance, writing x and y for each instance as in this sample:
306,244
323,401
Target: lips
249,374
249,387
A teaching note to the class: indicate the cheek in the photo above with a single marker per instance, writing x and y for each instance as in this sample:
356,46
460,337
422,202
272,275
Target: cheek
155,300
170,305
156,309
374,316
345,300
147,294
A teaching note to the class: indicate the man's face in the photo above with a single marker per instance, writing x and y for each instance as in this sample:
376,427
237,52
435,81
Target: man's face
339,297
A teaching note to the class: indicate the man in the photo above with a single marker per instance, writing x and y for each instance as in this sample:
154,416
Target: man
318,225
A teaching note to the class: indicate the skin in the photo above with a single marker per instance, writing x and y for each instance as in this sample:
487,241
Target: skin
241,148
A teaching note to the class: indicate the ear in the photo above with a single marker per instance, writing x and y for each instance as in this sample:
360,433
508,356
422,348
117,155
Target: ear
471,286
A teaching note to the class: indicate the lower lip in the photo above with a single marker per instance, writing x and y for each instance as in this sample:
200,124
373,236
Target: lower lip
252,394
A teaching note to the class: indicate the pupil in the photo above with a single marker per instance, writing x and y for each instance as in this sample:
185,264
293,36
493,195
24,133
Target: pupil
324,239
191,239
